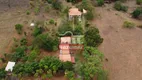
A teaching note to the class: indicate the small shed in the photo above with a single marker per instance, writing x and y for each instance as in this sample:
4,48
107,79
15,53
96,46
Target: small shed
10,66
66,40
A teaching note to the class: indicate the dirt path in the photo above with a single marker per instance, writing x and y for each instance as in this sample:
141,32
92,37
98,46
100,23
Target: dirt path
122,47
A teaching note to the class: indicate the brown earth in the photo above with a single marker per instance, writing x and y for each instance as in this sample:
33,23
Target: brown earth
122,47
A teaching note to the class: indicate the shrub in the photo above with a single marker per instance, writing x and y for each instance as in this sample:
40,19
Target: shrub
78,30
47,42
89,15
37,31
37,10
66,26
70,75
23,41
128,24
92,37
100,2
140,26
33,54
139,2
50,1
51,21
136,13
118,6
28,12
67,66
102,75
19,28
2,73
57,5
18,54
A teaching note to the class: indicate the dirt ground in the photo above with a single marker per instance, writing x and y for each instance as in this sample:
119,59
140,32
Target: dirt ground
122,47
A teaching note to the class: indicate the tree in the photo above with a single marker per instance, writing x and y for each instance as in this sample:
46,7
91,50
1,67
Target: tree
92,64
78,30
100,2
37,31
46,42
66,26
70,75
57,5
2,73
67,66
50,62
139,2
33,54
18,54
136,13
92,37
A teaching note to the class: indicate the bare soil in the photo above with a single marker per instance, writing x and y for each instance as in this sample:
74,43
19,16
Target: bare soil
122,47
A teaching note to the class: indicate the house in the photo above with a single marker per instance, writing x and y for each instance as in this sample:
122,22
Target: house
75,12
68,46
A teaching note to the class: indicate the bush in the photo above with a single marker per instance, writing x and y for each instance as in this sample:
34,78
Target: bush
28,12
139,2
67,65
51,21
47,42
2,73
128,24
33,54
89,15
140,26
23,41
92,37
118,6
37,31
18,54
100,2
37,10
70,75
66,26
57,5
50,1
136,13
78,30
19,28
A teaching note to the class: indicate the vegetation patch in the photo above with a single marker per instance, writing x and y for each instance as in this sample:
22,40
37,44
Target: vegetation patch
19,28
118,6
128,24
139,2
137,12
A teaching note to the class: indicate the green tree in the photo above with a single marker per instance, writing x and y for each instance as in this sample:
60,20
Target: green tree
33,54
18,54
139,2
136,13
23,41
37,31
57,5
78,30
66,26
46,42
100,2
67,65
92,37
70,75
2,73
